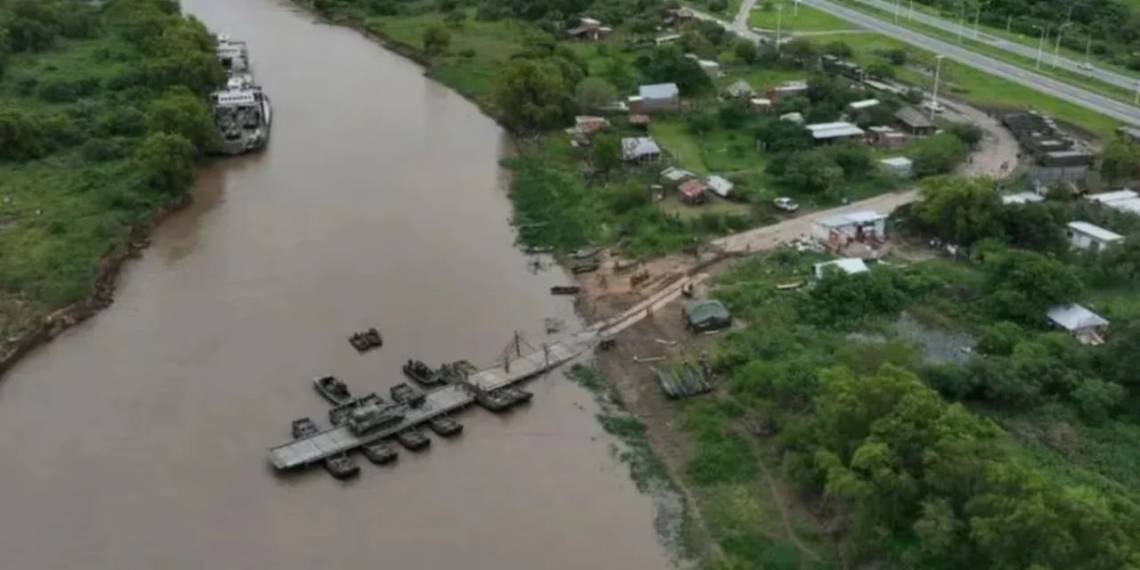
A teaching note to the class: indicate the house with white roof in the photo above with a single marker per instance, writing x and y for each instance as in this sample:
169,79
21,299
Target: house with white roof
848,265
837,131
719,185
1087,326
639,149
1121,200
1022,198
655,98
1083,235
900,166
674,176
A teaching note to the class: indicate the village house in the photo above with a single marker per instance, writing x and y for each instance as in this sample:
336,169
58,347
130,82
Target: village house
1021,198
639,121
865,227
693,191
787,90
1083,235
914,122
710,67
589,30
639,149
1086,326
676,16
886,138
856,106
660,97
833,132
847,265
1125,201
667,39
586,126
760,104
720,185
898,166
796,118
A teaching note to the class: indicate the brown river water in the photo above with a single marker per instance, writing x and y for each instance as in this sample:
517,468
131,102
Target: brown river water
138,439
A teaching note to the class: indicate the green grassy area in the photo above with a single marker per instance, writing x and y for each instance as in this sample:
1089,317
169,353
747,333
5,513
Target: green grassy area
93,154
973,86
801,19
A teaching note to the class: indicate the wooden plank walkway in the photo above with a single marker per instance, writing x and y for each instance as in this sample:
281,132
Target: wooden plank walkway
316,448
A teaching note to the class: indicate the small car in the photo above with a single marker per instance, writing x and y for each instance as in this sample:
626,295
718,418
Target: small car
785,204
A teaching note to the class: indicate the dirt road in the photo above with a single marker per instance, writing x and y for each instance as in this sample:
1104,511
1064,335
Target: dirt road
772,236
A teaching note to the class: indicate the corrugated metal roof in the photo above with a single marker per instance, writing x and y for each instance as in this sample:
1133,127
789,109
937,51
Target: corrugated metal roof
659,91
1095,231
848,265
1075,317
852,218
1022,198
637,147
722,186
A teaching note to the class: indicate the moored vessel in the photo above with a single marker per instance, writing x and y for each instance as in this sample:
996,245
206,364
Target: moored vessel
332,389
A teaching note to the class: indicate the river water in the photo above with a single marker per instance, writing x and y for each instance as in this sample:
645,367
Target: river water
138,439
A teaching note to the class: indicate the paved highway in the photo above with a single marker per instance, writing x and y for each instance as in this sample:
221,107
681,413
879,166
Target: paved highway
1107,76
1071,93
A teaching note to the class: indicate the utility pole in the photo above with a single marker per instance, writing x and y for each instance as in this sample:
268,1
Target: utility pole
1041,44
897,7
1057,49
961,19
1088,51
934,92
796,9
779,24
1009,23
978,18
910,13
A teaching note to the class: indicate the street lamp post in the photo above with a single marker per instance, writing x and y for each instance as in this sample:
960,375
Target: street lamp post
961,19
1137,101
934,92
779,24
897,8
1057,49
1088,51
1041,44
978,18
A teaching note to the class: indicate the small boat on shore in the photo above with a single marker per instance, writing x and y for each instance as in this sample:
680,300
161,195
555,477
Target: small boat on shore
413,439
445,426
420,372
379,452
364,341
514,395
332,389
404,393
342,466
565,290
304,427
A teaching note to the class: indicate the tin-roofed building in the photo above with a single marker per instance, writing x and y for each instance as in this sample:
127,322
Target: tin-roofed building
837,131
1087,326
1083,235
914,122
639,149
658,97
707,315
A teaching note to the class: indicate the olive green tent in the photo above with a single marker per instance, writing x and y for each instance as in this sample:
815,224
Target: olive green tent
709,315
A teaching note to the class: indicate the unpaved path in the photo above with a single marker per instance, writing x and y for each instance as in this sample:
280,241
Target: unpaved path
996,156
772,236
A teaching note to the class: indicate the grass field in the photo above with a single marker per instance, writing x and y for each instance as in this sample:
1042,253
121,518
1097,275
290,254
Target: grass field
801,19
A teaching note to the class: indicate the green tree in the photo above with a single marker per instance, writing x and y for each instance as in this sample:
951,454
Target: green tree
180,112
960,210
531,94
1022,285
1120,161
801,51
166,162
746,52
812,173
436,39
938,154
606,153
594,93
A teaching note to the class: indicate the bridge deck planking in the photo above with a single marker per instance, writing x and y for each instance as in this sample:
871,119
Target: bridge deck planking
337,440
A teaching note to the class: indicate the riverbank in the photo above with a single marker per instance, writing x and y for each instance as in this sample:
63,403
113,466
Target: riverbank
106,138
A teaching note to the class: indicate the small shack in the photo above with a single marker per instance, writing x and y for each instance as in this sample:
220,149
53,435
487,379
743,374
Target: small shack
856,106
846,265
833,132
862,226
720,185
707,315
914,122
796,118
1086,236
639,149
898,166
760,104
1088,327
886,138
659,97
1021,198
674,176
589,30
693,191
786,90
710,67
1125,201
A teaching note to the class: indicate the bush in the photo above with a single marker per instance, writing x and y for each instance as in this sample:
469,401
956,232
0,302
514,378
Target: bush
99,150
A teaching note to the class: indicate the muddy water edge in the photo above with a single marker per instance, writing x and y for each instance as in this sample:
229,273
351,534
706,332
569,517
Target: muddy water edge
137,439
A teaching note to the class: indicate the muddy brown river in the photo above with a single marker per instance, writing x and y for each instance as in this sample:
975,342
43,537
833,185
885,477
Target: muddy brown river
138,440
